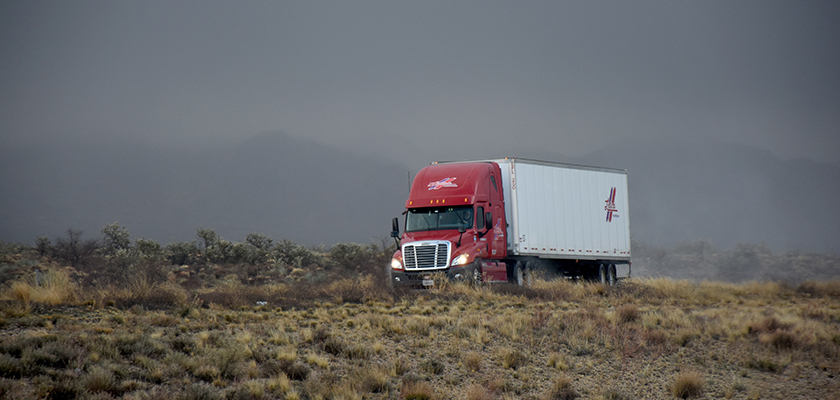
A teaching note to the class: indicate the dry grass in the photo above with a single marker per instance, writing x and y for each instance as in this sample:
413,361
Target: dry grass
351,339
687,384
53,287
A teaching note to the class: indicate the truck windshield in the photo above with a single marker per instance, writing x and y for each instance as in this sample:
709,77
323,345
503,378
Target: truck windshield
438,218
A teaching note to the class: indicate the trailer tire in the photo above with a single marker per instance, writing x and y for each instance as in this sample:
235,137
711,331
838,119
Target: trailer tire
611,275
602,274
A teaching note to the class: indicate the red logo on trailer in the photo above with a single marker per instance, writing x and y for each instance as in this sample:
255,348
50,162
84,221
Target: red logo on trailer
610,207
445,182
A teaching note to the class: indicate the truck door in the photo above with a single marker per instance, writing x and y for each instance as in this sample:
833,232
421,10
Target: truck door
498,243
498,246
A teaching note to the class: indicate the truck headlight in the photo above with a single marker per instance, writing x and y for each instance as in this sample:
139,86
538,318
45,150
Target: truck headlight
462,259
396,263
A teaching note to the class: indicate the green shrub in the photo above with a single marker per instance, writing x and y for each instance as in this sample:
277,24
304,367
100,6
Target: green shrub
182,253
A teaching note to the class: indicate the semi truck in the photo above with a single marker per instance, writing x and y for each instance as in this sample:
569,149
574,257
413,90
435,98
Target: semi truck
511,220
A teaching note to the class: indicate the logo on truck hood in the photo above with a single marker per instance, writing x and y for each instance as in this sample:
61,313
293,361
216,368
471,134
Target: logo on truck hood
445,182
610,207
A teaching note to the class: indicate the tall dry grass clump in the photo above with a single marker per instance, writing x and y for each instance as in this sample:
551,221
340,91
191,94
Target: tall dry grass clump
687,384
52,288
561,389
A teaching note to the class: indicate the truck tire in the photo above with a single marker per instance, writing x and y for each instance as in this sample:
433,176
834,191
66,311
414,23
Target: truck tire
476,278
611,275
602,274
520,275
528,273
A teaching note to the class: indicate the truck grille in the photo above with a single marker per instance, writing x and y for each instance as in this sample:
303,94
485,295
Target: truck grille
425,255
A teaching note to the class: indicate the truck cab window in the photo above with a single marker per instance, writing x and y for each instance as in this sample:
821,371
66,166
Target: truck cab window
438,218
479,222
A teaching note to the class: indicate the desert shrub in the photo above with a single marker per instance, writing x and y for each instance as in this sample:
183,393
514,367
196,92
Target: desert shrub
433,366
52,354
561,389
472,361
558,360
58,388
291,369
352,256
99,379
258,248
53,287
148,250
129,344
513,358
43,245
370,380
289,254
201,391
763,364
417,391
687,384
74,251
222,252
231,293
182,253
207,373
115,238
781,340
334,346
11,251
767,325
627,313
356,351
11,367
357,290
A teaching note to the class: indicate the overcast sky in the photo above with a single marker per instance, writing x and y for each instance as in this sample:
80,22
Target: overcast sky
488,76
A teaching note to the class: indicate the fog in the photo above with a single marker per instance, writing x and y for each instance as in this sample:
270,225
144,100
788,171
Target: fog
167,116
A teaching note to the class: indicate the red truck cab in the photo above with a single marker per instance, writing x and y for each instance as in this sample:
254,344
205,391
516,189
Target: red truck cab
454,223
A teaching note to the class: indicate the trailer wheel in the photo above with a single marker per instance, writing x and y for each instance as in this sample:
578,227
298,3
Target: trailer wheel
602,274
611,275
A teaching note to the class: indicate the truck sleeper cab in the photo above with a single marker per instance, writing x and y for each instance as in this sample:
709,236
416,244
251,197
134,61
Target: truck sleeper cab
450,226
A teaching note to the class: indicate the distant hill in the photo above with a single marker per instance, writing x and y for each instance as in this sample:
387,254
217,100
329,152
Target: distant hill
273,184
313,193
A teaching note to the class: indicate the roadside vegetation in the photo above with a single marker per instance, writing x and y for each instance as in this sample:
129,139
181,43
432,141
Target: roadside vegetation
214,319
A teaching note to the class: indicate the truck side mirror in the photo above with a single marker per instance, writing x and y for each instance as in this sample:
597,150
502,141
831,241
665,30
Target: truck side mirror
488,220
395,228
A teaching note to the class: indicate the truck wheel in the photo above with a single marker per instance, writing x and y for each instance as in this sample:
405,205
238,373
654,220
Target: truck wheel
528,273
518,275
602,274
611,275
476,273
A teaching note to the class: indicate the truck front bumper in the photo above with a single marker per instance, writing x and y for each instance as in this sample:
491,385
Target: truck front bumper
423,278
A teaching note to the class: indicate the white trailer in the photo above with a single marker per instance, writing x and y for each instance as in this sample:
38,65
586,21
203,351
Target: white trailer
575,215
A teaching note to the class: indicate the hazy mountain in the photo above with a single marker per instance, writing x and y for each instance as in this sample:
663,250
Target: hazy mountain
273,184
315,193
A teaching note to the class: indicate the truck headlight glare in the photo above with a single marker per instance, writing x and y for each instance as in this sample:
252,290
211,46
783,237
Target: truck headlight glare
462,259
396,264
